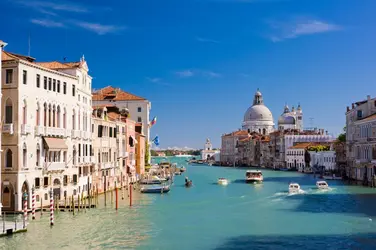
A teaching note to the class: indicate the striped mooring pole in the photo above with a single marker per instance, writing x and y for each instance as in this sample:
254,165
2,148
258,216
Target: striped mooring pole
25,208
33,203
51,208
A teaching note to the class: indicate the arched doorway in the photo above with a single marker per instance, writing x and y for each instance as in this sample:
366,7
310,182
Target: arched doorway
56,188
25,189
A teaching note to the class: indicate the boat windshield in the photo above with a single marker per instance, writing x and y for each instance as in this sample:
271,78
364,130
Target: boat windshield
254,174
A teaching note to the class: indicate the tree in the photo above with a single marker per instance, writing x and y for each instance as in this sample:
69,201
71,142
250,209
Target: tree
147,155
342,137
153,153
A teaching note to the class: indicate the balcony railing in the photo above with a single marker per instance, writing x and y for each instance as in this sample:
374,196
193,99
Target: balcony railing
54,166
26,129
8,128
39,130
123,154
53,131
76,133
106,165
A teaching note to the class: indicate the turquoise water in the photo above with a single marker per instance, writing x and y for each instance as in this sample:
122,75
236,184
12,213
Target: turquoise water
208,216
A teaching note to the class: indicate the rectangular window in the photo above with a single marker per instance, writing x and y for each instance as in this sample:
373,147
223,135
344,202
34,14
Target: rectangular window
54,85
58,86
139,119
64,88
45,83
45,181
359,114
9,76
100,130
37,182
24,77
8,114
38,81
74,179
110,131
65,180
49,83
139,109
73,90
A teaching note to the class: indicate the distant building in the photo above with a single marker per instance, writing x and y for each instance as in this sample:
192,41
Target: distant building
2,45
229,149
161,154
208,153
361,140
291,119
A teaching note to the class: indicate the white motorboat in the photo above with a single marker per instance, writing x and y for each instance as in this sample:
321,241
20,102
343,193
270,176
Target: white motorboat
254,176
222,181
294,188
322,185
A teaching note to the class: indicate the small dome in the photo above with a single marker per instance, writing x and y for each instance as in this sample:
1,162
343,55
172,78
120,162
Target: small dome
286,120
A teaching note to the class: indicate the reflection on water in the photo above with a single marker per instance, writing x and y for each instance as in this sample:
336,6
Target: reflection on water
208,216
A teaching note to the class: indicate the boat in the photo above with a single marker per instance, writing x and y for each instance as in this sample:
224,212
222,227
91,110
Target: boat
178,173
294,188
322,185
332,177
155,189
254,176
188,183
222,181
154,180
183,169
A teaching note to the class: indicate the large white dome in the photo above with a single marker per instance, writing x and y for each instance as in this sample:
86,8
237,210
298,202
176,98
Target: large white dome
258,117
258,113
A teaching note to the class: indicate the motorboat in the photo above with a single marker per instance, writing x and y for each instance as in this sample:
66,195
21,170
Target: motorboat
254,176
183,169
332,177
153,181
155,189
322,185
294,188
222,181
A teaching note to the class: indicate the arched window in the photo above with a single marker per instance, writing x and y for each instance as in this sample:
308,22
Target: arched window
74,120
38,155
54,116
37,116
49,115
74,155
65,118
9,159
110,154
45,114
24,155
24,113
79,120
58,117
131,143
8,111
263,131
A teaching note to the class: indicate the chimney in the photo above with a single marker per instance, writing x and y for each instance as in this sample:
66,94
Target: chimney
347,108
352,105
368,97
326,132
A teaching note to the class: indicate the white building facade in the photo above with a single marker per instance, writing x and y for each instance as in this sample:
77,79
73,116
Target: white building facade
291,119
2,45
208,153
361,140
46,130
325,159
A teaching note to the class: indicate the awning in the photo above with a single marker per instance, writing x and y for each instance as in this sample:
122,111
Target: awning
55,144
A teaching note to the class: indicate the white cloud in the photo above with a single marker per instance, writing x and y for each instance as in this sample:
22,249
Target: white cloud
153,79
48,6
98,28
301,27
206,40
47,23
185,73
189,73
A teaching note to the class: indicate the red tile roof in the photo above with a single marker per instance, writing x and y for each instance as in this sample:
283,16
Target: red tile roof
116,94
5,56
368,118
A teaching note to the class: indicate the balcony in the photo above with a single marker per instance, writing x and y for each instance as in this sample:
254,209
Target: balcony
106,165
54,166
25,129
51,131
76,134
123,154
39,130
8,128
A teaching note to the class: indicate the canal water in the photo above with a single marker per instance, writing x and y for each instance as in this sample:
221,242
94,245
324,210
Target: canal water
208,216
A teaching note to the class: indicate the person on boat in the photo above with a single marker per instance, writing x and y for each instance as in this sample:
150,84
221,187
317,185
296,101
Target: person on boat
186,179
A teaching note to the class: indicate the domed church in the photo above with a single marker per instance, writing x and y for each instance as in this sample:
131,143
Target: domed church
291,119
258,117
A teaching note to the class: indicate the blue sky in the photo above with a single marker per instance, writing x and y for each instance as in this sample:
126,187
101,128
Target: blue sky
200,61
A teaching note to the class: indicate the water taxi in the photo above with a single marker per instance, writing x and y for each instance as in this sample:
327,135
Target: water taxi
294,188
222,181
183,169
155,189
254,176
322,185
154,180
188,183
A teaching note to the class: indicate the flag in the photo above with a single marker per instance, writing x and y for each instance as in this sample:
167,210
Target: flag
156,140
154,121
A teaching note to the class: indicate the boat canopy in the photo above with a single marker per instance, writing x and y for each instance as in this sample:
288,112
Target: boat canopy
254,171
